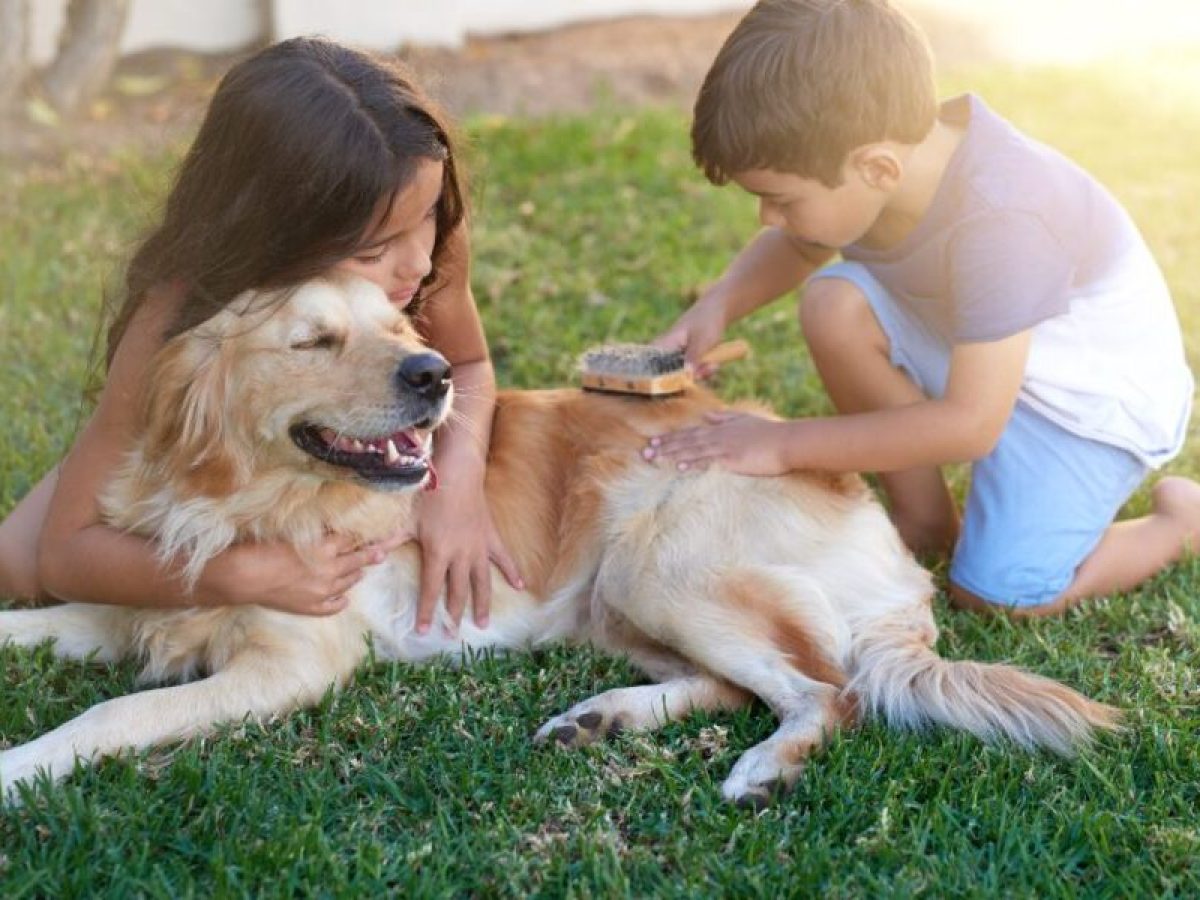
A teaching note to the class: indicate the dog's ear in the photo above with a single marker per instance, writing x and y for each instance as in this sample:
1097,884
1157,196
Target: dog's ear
187,434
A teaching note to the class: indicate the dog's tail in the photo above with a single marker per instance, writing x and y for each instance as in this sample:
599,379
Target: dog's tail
911,686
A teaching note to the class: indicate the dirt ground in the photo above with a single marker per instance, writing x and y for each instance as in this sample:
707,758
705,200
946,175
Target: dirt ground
156,97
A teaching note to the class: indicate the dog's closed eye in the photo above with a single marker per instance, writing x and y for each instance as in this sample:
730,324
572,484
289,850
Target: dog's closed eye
326,341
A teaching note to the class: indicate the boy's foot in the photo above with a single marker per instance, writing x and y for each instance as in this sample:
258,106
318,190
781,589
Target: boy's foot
1130,552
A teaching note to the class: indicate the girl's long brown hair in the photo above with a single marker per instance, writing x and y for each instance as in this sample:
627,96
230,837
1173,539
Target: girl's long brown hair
301,145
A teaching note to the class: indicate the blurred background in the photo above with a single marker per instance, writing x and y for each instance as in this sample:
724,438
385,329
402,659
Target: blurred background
91,74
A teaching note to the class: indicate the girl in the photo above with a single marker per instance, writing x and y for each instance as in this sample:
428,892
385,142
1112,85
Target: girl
311,157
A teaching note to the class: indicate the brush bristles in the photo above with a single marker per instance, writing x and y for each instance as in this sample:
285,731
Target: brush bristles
631,361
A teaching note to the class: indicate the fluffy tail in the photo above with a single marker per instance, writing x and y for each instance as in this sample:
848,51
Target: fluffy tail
911,686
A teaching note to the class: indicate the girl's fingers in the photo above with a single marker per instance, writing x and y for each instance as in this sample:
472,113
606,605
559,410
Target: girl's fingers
339,544
458,586
481,594
345,582
354,563
433,576
331,605
499,555
395,541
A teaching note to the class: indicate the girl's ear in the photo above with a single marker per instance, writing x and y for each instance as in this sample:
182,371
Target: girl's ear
187,438
878,165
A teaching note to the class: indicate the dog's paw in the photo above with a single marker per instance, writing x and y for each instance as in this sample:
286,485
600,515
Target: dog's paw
579,726
759,779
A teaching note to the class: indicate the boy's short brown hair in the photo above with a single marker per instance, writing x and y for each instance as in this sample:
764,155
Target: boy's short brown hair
801,83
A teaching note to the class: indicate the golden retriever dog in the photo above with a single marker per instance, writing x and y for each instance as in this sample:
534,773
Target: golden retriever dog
290,414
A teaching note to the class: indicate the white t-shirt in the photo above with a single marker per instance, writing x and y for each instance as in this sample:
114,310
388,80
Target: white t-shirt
1019,237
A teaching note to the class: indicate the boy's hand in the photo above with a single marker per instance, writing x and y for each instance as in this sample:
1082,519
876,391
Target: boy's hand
739,442
697,330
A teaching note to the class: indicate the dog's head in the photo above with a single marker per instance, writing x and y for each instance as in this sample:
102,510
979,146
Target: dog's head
327,380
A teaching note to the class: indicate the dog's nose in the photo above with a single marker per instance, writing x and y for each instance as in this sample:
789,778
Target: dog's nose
427,374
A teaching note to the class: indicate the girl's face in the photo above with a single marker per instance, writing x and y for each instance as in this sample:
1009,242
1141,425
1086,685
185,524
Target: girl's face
398,253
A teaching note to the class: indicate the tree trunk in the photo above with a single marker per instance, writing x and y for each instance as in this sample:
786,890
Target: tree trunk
87,52
14,52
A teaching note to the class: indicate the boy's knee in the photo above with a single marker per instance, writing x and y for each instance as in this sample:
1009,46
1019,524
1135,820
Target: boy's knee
1178,499
835,313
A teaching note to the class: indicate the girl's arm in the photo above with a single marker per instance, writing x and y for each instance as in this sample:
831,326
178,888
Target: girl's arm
455,528
80,558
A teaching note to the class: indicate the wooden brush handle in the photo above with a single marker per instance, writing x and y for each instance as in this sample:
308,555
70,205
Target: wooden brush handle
725,352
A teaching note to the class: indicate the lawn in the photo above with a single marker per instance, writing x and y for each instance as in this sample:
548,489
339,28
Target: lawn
423,782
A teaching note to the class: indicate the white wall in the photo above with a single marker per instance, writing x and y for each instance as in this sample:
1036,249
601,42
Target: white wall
208,26
216,25
1027,30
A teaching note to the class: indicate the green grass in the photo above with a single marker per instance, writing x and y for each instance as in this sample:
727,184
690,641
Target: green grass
423,782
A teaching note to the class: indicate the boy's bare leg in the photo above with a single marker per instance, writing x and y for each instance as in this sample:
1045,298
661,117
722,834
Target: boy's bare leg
853,358
19,541
1128,554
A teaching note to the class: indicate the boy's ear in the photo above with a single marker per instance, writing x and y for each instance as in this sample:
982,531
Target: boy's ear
878,165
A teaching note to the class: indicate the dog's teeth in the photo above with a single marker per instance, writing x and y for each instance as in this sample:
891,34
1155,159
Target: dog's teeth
393,455
357,446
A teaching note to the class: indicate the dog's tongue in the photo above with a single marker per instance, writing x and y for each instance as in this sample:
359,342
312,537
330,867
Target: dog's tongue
431,483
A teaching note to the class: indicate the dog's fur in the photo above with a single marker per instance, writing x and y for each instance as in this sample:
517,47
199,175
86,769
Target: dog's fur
796,590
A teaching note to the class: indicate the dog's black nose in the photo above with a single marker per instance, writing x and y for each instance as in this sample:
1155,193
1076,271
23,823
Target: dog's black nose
427,374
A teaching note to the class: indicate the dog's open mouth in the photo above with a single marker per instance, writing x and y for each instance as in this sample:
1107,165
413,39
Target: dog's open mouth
396,459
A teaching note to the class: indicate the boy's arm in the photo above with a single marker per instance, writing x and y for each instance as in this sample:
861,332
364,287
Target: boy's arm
962,425
772,264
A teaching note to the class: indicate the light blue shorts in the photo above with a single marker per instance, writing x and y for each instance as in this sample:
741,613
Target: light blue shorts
1038,503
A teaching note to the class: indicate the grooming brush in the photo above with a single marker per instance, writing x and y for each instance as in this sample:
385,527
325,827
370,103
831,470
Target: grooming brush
647,371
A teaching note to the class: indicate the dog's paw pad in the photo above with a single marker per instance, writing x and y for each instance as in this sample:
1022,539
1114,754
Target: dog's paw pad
754,800
564,734
573,729
589,720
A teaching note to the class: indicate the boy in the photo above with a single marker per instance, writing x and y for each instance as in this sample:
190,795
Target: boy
994,304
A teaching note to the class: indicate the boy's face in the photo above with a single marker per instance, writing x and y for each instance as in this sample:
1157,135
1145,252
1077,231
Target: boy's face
812,212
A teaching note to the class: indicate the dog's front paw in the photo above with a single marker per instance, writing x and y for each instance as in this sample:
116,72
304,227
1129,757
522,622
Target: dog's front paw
579,726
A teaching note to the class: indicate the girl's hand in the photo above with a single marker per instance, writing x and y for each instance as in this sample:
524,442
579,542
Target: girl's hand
458,545
312,580
739,442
